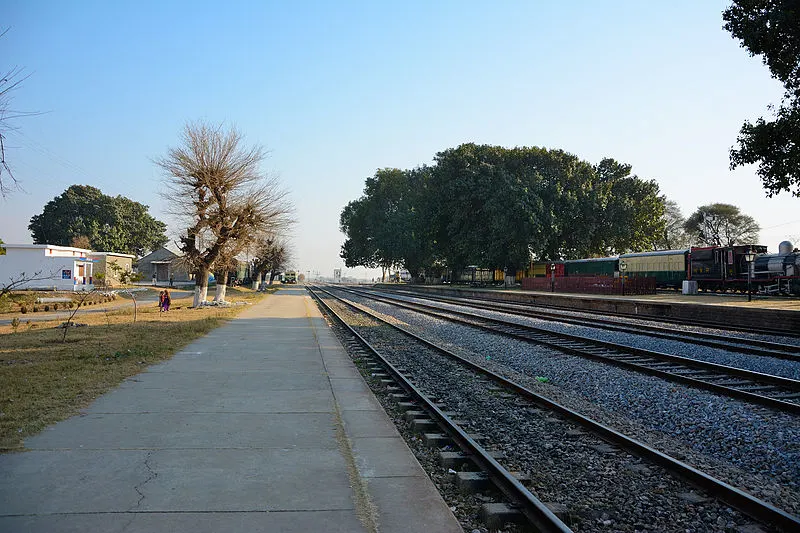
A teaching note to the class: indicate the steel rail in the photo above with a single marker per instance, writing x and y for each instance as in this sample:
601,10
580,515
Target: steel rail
700,323
533,509
748,346
608,352
737,498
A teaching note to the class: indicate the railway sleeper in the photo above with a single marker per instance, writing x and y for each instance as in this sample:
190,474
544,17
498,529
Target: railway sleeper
787,396
635,359
456,460
423,425
695,373
760,388
732,383
662,366
497,515
470,482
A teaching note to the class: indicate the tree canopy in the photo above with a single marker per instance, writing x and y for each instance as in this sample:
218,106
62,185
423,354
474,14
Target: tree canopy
771,29
82,213
495,207
722,225
673,236
217,187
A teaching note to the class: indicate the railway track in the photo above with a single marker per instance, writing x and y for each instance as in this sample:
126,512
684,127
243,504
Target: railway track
725,342
763,389
534,510
746,503
683,322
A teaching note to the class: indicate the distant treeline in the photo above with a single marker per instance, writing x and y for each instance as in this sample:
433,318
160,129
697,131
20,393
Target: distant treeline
498,207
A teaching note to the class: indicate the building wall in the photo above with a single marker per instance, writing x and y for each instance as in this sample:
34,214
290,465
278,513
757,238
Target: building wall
101,266
56,271
146,267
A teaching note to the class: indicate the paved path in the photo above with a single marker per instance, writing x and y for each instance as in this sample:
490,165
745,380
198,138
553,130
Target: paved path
262,425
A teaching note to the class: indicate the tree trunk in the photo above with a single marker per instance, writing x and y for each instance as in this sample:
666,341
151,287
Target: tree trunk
257,281
200,287
222,286
272,276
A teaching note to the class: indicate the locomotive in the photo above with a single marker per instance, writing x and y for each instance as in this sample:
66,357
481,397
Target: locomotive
715,268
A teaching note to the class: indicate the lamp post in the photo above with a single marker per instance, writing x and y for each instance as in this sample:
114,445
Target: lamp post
749,257
622,268
552,277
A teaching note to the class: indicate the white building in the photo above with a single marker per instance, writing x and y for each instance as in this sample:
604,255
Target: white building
47,267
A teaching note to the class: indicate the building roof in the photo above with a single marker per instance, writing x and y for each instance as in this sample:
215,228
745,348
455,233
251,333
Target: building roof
114,254
46,246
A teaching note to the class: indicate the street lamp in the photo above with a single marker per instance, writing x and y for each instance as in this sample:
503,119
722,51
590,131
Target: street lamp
622,268
552,277
749,257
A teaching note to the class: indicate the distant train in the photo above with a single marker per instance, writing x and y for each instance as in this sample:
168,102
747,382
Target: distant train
714,268
290,277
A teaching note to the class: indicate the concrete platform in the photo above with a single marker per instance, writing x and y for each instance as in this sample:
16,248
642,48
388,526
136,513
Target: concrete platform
262,425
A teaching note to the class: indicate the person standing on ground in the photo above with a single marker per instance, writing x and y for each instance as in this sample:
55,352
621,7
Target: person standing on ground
171,279
166,302
161,301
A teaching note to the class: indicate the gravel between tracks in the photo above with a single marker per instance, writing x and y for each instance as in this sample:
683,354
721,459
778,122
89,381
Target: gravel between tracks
767,365
750,447
573,313
604,489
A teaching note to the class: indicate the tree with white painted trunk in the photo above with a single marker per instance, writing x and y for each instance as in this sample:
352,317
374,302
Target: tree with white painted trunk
216,187
271,254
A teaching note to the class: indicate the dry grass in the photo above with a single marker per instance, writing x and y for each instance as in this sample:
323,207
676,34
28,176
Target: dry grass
44,380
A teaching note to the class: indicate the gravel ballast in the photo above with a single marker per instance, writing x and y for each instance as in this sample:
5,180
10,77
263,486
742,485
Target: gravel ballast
750,447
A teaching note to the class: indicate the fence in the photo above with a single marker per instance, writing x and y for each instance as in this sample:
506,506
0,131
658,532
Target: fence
592,285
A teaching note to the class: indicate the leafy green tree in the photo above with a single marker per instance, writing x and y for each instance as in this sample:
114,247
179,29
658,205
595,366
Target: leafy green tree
418,246
111,224
484,213
496,207
673,236
633,215
722,225
359,248
771,28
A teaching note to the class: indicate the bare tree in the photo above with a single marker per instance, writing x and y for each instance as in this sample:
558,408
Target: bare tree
23,279
217,187
9,80
271,253
226,262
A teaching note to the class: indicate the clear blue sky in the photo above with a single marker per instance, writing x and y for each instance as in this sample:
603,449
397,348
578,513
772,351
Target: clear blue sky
335,90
